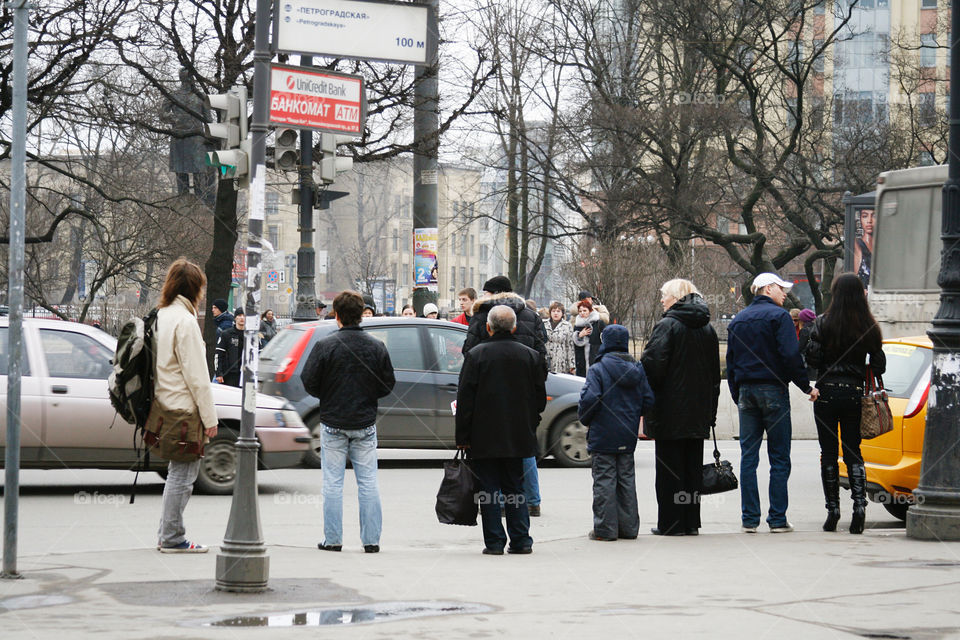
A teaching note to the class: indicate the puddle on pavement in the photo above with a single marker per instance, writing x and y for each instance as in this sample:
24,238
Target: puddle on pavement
33,602
913,564
365,614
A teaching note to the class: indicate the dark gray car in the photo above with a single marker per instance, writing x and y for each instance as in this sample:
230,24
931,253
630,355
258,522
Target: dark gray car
427,356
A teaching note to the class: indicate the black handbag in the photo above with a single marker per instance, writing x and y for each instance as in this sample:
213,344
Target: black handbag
718,476
456,500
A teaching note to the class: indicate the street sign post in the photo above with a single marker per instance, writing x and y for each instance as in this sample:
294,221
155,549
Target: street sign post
364,29
314,99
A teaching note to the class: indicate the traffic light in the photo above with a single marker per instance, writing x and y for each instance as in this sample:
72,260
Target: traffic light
286,150
233,158
330,163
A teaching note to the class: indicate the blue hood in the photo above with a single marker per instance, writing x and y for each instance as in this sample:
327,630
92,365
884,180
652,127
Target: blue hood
615,337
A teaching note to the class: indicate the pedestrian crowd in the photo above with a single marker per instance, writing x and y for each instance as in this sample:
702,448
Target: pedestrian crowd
668,393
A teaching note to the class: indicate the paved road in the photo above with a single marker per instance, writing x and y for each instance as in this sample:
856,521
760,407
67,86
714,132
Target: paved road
91,568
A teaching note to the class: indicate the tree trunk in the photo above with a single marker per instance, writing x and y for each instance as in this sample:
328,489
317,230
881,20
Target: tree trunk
219,267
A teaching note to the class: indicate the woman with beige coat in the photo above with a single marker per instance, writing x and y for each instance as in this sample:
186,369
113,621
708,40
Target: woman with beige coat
182,385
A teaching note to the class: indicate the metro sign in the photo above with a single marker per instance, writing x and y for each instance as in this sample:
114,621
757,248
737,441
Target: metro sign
322,100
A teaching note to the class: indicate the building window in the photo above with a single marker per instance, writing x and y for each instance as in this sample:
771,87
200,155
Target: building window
396,239
926,109
821,55
473,240
926,159
405,274
820,8
472,283
928,4
453,277
483,253
271,204
928,50
463,277
273,235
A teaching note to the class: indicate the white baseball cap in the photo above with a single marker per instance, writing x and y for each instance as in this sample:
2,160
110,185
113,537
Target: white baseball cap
430,308
764,279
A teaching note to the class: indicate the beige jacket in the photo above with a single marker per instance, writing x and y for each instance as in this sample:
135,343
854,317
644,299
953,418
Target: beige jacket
182,381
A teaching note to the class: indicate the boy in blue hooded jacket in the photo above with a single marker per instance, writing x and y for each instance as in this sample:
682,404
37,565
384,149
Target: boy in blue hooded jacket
612,400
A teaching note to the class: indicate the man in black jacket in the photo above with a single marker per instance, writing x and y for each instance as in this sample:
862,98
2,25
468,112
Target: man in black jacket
229,351
530,332
499,400
348,372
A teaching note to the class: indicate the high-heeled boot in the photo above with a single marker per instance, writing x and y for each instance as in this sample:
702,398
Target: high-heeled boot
858,491
830,477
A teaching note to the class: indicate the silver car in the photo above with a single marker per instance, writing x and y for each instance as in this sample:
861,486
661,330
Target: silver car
67,421
427,356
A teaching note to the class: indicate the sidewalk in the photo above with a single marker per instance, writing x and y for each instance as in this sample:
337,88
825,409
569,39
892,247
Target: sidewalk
91,570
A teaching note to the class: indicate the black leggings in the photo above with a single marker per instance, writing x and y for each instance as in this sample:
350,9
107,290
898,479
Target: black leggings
838,404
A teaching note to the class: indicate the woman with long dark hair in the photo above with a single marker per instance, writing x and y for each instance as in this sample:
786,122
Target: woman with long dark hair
844,340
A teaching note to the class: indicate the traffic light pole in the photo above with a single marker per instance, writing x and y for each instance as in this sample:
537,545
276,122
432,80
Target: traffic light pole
306,257
426,134
243,564
936,512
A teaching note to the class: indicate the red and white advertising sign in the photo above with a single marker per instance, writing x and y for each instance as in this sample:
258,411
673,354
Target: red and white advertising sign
324,100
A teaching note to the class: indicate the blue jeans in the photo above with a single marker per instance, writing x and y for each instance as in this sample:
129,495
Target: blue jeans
764,408
531,481
361,447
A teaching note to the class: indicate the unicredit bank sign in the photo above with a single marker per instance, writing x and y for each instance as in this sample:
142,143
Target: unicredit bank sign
321,100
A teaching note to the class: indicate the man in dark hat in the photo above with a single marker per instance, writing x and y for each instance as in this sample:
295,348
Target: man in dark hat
595,304
321,310
229,353
221,316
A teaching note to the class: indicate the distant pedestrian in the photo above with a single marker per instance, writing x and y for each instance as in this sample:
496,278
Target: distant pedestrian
408,311
430,310
221,315
466,297
682,361
368,311
182,384
348,371
613,398
559,340
587,327
500,397
268,327
763,357
321,310
843,341
228,356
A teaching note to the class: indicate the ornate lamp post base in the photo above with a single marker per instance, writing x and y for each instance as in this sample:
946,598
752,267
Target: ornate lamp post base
243,564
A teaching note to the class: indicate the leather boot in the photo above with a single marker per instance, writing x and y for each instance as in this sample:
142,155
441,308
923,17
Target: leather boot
858,491
830,477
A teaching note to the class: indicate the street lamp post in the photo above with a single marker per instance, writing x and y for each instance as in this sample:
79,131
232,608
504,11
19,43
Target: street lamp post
936,512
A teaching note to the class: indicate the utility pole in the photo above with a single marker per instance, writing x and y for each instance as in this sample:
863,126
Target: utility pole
243,564
306,256
18,200
426,133
936,513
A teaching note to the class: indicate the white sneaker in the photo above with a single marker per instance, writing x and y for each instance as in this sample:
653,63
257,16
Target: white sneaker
185,547
785,528
746,529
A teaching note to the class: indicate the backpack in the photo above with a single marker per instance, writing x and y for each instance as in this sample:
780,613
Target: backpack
130,384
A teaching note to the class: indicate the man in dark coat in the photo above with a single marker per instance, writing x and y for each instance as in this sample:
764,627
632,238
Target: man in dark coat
682,361
228,355
613,398
221,316
501,394
348,371
530,332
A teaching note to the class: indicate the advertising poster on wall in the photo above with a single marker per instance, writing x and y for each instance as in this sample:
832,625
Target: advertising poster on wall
425,268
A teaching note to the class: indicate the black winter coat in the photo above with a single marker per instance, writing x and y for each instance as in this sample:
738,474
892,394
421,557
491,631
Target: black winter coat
849,367
501,393
348,371
229,356
530,331
682,362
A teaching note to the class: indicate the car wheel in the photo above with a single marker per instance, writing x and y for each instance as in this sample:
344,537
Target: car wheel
568,442
311,458
898,510
218,467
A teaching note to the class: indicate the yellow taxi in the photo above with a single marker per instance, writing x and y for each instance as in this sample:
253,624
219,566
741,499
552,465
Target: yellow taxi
893,459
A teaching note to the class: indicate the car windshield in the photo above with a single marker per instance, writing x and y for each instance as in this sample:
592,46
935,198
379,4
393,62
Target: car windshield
906,365
280,345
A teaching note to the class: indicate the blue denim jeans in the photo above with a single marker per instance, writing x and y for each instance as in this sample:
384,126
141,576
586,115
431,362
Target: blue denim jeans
764,408
360,445
531,481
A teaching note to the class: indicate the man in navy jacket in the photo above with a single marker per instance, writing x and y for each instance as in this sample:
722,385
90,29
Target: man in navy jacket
763,358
